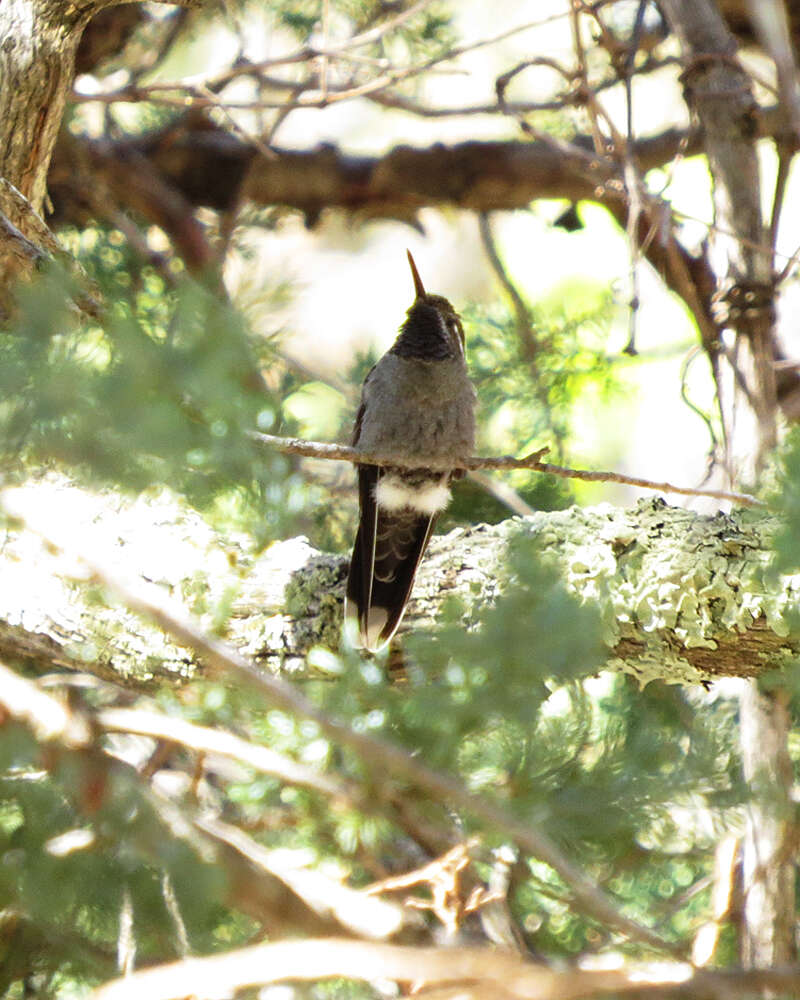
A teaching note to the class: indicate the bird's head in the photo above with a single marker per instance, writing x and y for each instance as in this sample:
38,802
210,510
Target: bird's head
432,330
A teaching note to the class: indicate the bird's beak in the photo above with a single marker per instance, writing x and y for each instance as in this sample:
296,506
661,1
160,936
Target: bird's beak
418,286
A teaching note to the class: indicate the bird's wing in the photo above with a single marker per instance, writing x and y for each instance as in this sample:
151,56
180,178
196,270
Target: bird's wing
388,548
386,553
362,407
359,578
358,595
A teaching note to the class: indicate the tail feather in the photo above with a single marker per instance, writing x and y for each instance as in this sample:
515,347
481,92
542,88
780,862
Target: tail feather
387,551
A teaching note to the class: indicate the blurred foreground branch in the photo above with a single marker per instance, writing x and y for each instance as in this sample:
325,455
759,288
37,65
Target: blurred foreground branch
151,602
471,974
284,896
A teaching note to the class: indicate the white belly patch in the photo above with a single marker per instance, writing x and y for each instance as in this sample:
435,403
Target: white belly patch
392,493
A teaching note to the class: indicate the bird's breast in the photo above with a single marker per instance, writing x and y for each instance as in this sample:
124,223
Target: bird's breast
419,408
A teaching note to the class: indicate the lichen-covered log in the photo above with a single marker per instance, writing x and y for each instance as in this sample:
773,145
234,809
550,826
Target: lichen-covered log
683,597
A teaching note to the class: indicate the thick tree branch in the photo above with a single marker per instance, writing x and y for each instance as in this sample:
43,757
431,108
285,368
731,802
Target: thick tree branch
684,597
208,166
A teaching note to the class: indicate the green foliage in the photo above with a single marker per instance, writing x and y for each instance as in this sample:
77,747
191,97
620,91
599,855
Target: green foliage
426,33
166,391
634,784
785,499
79,838
527,397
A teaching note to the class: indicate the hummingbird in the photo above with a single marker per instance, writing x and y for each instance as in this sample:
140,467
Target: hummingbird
418,403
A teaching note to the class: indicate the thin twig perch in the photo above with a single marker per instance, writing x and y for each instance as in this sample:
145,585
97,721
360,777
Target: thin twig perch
343,453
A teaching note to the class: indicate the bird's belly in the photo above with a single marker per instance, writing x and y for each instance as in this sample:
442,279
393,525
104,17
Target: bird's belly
396,491
444,431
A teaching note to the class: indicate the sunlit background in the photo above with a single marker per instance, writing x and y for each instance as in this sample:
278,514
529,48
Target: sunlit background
344,285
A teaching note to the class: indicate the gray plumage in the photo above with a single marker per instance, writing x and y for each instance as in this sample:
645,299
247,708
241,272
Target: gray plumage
417,402
418,407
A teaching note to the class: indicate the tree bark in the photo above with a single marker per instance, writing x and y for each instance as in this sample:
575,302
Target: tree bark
684,598
206,164
768,850
37,60
718,92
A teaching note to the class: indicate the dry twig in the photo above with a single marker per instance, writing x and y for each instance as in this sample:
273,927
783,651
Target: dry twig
202,91
343,453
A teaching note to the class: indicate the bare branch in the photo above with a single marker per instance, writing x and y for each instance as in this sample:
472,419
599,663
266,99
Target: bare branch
354,909
343,453
588,476
477,974
46,716
522,313
206,740
204,91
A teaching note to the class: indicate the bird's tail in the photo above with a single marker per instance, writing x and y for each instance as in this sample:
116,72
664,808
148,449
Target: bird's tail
382,572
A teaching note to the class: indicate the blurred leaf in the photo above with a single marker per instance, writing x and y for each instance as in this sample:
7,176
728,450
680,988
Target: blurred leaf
166,392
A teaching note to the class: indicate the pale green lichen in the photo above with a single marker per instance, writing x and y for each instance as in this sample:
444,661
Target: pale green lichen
668,581
674,589
312,600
